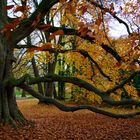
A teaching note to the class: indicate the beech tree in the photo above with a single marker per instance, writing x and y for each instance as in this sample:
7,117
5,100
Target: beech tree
88,20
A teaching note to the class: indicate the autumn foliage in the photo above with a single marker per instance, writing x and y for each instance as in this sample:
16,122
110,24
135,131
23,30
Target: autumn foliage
71,50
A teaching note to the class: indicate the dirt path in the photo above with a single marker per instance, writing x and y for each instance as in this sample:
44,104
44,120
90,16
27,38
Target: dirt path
53,124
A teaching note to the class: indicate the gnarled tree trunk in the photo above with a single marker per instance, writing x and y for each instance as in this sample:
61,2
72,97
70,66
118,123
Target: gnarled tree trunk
9,112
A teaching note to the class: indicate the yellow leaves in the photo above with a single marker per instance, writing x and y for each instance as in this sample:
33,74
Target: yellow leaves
45,57
29,55
132,92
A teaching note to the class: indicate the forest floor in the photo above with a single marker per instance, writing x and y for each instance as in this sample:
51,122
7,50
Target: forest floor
52,124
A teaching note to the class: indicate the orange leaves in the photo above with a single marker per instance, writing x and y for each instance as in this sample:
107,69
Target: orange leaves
58,32
41,48
98,21
118,64
10,26
37,19
8,7
62,1
20,9
84,31
44,27
83,9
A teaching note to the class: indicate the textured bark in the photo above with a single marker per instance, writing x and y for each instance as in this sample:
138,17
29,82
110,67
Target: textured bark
50,87
9,112
0,105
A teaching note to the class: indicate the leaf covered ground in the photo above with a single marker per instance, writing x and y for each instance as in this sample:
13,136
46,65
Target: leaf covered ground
53,124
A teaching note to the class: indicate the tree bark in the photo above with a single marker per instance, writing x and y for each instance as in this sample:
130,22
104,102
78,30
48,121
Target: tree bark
36,73
50,87
9,112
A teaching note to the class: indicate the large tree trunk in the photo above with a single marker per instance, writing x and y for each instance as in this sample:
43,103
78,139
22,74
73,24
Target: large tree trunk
9,112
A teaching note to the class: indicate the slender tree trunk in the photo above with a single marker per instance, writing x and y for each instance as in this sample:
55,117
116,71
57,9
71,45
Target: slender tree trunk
35,69
50,86
61,85
36,73
23,93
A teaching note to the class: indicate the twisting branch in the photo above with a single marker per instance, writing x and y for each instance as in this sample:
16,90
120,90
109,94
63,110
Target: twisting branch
111,13
55,78
74,80
123,82
69,31
29,25
86,54
66,108
105,95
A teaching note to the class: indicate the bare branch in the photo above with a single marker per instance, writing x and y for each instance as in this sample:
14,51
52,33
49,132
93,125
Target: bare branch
112,14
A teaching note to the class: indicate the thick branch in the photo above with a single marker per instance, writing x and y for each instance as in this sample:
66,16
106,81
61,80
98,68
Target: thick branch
111,51
29,25
69,31
123,82
123,102
56,78
74,108
74,80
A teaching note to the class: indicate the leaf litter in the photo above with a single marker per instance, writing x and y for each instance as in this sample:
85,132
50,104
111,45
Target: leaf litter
52,124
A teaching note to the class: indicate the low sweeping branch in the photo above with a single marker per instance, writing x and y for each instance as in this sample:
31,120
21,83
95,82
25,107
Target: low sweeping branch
74,108
74,80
